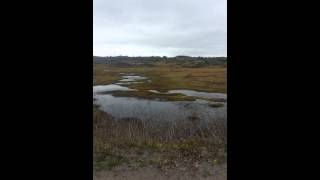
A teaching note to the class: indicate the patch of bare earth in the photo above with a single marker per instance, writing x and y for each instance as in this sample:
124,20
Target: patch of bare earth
197,172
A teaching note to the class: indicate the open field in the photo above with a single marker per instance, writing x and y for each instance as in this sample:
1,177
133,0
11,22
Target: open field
167,77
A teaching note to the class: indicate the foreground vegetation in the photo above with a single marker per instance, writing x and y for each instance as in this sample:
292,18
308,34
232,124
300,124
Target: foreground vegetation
135,143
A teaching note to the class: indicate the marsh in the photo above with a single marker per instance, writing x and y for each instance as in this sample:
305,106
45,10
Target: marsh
156,109
160,116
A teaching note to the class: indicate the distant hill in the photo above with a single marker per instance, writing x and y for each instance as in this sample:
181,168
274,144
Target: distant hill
99,60
185,61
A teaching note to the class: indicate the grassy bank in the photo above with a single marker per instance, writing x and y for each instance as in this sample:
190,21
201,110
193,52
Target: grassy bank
135,143
143,94
150,95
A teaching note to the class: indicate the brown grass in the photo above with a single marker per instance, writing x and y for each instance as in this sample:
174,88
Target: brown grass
165,77
127,141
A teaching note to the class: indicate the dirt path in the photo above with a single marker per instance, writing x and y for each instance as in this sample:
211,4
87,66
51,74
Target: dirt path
153,173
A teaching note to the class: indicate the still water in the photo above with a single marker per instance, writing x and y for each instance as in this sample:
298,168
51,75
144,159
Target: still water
153,110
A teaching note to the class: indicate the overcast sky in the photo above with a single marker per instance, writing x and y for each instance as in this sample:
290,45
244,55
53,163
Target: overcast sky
160,27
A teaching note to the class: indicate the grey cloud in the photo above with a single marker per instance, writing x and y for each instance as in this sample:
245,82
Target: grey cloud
167,27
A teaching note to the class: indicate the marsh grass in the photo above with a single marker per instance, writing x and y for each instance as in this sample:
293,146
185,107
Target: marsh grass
151,95
164,96
134,142
165,77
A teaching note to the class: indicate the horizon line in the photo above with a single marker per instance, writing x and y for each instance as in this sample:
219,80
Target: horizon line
160,56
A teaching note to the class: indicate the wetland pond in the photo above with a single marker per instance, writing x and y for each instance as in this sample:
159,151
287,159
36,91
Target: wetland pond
202,107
